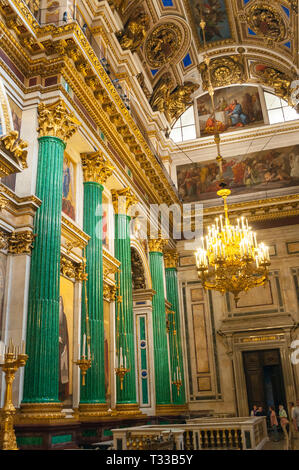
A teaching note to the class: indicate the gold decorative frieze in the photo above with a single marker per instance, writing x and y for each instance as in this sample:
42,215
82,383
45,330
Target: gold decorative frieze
171,259
73,235
123,200
3,240
21,242
56,121
72,270
96,168
109,292
3,202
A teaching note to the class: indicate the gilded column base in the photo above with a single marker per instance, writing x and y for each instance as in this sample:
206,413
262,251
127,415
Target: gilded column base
128,409
171,409
92,410
45,412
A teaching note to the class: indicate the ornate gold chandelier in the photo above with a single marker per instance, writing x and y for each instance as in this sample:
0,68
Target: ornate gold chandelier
230,260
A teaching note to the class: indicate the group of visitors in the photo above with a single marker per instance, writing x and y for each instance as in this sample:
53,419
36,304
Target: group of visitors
289,428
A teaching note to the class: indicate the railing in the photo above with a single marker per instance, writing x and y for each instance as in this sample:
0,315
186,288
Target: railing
197,434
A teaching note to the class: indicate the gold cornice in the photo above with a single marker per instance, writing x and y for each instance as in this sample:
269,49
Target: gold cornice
96,168
123,200
73,234
171,258
56,121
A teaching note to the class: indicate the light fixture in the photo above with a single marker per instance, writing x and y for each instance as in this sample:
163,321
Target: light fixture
229,260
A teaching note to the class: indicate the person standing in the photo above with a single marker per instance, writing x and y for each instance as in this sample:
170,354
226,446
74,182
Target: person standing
253,411
283,423
296,426
274,423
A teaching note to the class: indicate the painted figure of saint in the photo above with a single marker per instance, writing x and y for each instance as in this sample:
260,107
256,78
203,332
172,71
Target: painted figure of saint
236,114
64,374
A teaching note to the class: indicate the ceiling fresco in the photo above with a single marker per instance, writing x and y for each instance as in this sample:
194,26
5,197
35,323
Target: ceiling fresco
247,42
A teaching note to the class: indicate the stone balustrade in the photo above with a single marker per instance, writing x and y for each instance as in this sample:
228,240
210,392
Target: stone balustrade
197,434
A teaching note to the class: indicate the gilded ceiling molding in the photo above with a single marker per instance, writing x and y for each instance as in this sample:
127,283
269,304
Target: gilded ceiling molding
123,200
171,259
56,121
96,168
134,33
21,242
163,45
224,71
267,21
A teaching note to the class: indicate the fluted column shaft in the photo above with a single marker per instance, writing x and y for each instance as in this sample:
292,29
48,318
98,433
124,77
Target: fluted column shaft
41,380
94,390
162,379
124,280
175,344
42,346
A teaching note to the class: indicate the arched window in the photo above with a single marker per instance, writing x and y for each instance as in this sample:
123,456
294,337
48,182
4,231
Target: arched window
279,110
184,128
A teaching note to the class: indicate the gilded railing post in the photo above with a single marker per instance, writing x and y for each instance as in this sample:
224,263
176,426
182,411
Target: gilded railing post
40,397
96,171
126,398
161,356
175,344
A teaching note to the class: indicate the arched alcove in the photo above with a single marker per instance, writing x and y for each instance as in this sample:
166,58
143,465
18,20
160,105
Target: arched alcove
140,267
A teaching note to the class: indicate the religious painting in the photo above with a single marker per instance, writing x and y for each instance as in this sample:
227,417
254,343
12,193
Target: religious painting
214,13
236,108
66,325
3,260
69,189
258,171
105,206
16,114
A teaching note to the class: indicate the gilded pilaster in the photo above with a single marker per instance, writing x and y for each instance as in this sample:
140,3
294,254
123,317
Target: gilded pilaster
96,171
40,398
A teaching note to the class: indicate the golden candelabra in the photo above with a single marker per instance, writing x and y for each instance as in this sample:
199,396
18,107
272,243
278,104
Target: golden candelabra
230,260
84,362
13,360
177,374
122,352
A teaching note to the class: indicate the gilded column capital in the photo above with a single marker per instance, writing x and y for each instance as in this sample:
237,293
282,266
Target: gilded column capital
55,120
157,244
21,242
96,168
122,200
171,258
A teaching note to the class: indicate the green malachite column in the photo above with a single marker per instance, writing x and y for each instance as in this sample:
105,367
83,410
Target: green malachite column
175,344
161,356
96,170
126,398
41,378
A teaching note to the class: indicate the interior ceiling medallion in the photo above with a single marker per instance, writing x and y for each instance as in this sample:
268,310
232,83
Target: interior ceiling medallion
267,21
163,44
224,71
